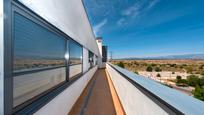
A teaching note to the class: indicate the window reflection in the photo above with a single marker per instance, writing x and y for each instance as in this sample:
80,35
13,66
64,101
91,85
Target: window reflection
36,48
91,59
75,60
75,53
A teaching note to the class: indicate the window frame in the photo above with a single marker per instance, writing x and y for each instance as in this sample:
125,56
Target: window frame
91,62
18,74
34,104
16,8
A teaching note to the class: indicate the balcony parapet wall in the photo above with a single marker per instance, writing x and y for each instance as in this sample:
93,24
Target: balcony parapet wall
143,96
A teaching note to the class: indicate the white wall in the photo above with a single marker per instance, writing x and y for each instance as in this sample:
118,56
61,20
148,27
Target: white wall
99,43
132,99
67,15
94,60
1,59
63,103
86,64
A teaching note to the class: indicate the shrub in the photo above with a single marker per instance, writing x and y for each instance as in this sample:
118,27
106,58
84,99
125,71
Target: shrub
181,82
149,69
178,79
201,67
184,81
202,72
198,92
181,67
121,64
136,72
157,69
184,64
158,75
189,70
201,81
193,80
136,63
172,65
153,64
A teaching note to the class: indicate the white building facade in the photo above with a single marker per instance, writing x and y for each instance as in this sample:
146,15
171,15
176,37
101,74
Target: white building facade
48,54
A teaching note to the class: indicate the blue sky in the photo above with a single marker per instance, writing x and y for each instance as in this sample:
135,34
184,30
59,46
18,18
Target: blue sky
143,28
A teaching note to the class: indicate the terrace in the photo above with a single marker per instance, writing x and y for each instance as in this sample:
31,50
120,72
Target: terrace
52,64
117,91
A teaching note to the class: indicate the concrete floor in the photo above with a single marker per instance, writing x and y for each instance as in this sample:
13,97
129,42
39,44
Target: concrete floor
97,98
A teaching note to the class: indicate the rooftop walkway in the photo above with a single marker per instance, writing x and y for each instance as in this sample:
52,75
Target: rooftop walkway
98,98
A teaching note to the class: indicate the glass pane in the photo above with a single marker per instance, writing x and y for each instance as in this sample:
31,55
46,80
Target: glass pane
75,70
91,59
36,48
30,85
75,53
75,61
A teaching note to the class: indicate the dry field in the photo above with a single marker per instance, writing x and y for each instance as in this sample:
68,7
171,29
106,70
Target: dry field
169,68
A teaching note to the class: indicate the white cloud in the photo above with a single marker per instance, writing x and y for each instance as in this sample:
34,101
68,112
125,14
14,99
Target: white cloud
135,11
121,21
97,27
132,10
152,3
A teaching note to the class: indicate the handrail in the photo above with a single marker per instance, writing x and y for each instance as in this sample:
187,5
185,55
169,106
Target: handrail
171,100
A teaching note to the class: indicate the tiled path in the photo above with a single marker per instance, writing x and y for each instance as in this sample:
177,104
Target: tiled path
97,98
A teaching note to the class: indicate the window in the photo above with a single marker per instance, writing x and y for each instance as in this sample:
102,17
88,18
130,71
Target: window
75,59
96,60
38,59
91,59
104,53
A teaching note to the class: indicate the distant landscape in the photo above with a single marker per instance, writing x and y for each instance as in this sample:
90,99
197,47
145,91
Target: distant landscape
21,65
184,73
170,57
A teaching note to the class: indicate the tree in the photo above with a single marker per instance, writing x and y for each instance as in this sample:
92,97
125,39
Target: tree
181,82
153,64
178,79
198,92
172,65
181,67
201,81
193,80
158,75
121,64
157,69
136,72
136,63
149,69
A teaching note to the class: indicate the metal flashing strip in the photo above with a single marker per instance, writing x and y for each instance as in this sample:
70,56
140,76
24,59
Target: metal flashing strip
163,104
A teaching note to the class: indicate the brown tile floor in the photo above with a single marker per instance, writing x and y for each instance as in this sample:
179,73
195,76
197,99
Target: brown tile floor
96,99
